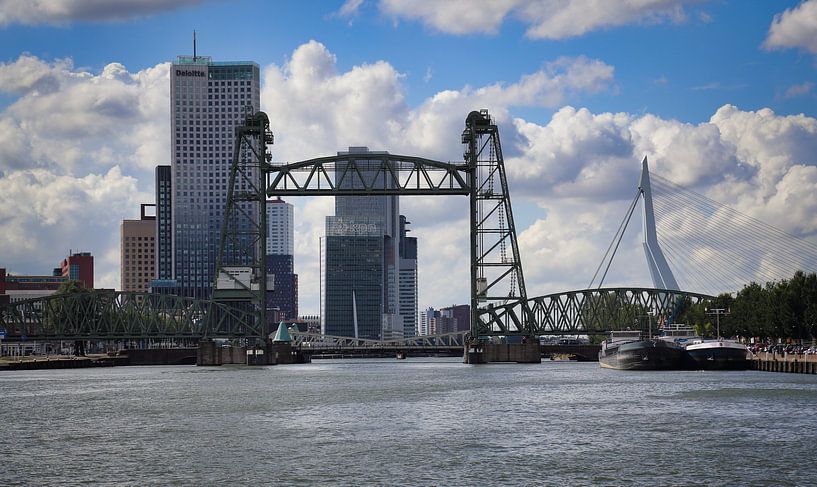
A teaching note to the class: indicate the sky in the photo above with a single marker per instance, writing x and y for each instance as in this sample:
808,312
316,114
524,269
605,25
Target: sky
719,95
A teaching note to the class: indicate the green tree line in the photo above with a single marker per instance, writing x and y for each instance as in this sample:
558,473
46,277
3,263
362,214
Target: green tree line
780,309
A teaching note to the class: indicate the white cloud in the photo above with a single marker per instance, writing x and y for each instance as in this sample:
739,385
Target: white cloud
77,152
802,89
350,7
44,215
73,120
547,19
794,28
65,11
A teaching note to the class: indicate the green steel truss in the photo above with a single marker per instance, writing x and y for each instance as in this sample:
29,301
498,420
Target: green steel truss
342,175
592,311
241,268
108,315
496,268
111,315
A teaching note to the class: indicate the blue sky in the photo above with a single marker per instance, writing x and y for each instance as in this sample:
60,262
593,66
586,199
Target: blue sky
680,70
706,89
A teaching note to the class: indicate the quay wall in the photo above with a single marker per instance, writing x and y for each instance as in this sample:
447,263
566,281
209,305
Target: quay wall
525,353
161,356
789,363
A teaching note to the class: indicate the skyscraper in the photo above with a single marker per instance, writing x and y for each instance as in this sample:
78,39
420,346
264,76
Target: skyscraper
208,99
164,240
407,293
283,300
280,226
361,256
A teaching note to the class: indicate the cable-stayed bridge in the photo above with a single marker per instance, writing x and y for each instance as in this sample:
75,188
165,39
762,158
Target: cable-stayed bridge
711,248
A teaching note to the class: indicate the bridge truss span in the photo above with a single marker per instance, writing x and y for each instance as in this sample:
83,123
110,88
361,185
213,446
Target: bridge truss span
112,315
319,342
368,174
591,311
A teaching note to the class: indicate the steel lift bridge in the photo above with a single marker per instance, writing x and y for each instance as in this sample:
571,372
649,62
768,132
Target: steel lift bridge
500,305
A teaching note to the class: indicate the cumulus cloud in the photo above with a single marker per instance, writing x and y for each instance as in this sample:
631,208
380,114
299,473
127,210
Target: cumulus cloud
71,119
65,11
581,168
77,152
41,211
328,110
547,19
794,28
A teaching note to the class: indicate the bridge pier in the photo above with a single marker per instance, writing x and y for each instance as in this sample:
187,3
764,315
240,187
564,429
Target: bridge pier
521,353
210,353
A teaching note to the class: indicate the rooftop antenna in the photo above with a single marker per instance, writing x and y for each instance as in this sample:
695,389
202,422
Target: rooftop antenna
194,46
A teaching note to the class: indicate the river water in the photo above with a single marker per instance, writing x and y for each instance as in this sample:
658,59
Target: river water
409,422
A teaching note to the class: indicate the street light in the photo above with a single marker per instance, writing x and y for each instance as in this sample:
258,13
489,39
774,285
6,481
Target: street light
717,312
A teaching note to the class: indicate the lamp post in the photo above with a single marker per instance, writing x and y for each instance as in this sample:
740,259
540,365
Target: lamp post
717,312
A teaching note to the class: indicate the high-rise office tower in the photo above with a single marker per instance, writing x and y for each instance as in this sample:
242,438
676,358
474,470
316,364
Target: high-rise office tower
164,241
360,262
282,301
208,99
407,292
280,228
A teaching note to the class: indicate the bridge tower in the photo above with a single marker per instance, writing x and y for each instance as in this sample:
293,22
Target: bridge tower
241,267
662,277
496,269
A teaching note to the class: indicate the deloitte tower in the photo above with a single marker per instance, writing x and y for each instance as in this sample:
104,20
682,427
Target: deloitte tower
208,99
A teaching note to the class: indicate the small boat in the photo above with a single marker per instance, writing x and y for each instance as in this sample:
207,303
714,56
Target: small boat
401,355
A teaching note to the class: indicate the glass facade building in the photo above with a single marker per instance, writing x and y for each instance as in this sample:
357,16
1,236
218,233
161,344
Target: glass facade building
363,287
208,99
284,298
352,285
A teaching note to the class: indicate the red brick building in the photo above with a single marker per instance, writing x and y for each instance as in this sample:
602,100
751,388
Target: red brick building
79,267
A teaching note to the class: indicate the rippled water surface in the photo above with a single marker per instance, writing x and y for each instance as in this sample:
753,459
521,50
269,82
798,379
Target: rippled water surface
416,421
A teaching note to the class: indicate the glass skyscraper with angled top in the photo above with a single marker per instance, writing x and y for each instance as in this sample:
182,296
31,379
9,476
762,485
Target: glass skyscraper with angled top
208,99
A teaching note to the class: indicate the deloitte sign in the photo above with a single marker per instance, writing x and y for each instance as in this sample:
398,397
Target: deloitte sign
187,72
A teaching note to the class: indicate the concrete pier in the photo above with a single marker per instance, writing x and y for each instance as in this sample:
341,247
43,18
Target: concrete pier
210,353
522,353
